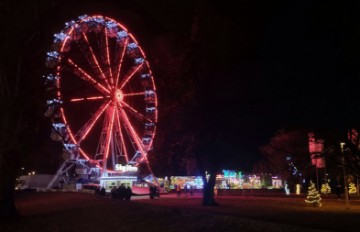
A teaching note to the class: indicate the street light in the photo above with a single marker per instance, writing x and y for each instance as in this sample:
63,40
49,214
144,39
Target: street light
342,144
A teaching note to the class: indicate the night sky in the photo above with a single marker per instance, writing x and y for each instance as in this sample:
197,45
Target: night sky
297,67
291,64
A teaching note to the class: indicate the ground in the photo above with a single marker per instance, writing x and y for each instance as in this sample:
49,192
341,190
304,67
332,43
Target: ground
58,211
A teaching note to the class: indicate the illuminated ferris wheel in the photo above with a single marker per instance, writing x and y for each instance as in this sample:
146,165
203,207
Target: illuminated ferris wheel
103,102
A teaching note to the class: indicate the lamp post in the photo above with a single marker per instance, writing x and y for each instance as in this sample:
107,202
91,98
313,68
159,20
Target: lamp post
344,172
317,175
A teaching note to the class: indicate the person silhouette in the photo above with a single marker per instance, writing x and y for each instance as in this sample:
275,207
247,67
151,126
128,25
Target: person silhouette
128,193
178,190
338,190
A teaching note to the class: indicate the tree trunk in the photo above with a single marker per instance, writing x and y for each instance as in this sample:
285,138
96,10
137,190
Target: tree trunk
208,191
8,167
7,204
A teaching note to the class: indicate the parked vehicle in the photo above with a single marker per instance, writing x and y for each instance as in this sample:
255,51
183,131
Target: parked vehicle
34,182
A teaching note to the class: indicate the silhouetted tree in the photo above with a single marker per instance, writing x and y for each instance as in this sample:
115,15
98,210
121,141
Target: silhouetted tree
19,90
192,136
287,154
350,154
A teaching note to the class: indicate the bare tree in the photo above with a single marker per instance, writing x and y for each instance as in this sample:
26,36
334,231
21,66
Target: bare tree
287,155
19,100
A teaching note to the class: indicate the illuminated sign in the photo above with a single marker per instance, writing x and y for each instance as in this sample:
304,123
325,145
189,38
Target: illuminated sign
125,168
229,173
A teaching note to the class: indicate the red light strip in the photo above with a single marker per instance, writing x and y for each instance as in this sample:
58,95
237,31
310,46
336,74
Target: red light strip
62,114
95,98
131,75
84,154
133,134
96,61
154,88
86,98
121,136
72,138
83,132
108,136
108,58
133,94
136,112
83,75
120,63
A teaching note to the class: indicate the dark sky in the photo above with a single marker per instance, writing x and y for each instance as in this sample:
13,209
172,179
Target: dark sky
292,64
289,63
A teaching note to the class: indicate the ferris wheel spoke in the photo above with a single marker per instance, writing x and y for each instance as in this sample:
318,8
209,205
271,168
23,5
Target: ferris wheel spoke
109,132
86,98
121,61
118,126
86,77
105,53
133,135
134,94
136,113
130,74
84,131
90,56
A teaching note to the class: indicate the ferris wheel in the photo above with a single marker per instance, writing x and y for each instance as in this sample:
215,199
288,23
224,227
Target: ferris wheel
102,100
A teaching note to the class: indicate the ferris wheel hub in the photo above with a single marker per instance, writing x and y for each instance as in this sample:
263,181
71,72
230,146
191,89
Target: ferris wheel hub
118,95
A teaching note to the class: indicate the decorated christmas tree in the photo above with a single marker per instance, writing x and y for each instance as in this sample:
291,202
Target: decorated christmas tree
313,196
325,188
167,185
352,188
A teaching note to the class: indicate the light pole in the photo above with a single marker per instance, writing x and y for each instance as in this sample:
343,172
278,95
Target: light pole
317,174
344,172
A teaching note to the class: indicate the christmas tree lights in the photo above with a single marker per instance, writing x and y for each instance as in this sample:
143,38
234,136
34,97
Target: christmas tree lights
325,188
352,188
313,196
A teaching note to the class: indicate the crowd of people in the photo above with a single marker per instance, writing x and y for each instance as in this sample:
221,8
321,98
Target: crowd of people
153,192
186,189
122,192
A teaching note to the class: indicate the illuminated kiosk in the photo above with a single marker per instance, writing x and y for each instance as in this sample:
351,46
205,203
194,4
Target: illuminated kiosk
228,179
102,99
123,175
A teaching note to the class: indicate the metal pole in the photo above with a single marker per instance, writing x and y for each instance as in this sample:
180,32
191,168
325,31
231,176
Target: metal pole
317,177
325,172
346,189
344,172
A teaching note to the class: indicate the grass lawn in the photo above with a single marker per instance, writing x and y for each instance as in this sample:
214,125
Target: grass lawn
56,211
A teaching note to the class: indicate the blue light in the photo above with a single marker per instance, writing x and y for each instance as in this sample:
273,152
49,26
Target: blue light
229,173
